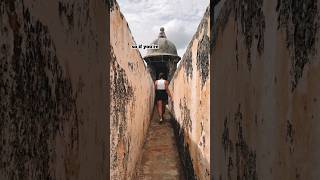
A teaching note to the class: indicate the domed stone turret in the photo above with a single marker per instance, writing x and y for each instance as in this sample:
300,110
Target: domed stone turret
164,58
166,47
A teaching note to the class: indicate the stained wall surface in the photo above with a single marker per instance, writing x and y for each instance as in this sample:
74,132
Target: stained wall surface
190,87
53,89
266,90
132,99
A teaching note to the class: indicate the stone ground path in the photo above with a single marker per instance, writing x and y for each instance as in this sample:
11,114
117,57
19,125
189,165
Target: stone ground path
160,158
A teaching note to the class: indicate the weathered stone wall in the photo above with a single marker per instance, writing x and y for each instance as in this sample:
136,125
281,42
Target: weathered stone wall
132,98
190,87
266,95
52,89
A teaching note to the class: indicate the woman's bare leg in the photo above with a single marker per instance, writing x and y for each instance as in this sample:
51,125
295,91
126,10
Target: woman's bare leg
163,108
159,108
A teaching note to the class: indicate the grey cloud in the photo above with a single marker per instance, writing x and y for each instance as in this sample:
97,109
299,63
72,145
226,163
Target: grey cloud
179,36
179,17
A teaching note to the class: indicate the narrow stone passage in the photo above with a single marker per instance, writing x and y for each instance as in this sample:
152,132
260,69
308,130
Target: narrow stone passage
160,158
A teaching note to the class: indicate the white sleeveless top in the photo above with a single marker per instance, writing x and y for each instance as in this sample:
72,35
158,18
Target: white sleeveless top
161,84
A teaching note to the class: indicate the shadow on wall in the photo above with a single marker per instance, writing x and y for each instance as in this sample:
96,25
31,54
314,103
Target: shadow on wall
183,149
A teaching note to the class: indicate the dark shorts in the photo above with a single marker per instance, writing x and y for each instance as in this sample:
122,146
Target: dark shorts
161,95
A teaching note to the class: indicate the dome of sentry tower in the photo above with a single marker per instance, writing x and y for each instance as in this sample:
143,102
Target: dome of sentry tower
165,47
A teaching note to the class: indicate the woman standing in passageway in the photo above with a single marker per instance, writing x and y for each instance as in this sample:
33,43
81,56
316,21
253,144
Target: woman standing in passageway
162,93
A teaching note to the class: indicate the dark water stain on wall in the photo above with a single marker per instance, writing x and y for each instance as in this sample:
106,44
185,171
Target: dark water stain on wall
290,135
112,4
203,142
224,15
121,91
74,16
252,22
121,94
187,63
36,98
237,52
300,19
228,148
67,10
185,114
203,58
245,157
238,155
225,139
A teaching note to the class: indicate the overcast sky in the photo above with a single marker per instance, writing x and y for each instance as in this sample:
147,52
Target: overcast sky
180,18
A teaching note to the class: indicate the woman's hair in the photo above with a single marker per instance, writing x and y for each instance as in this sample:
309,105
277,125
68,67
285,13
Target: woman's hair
161,75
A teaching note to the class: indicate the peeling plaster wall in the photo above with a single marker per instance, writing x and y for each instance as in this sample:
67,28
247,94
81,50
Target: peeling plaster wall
266,81
52,89
190,87
132,99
